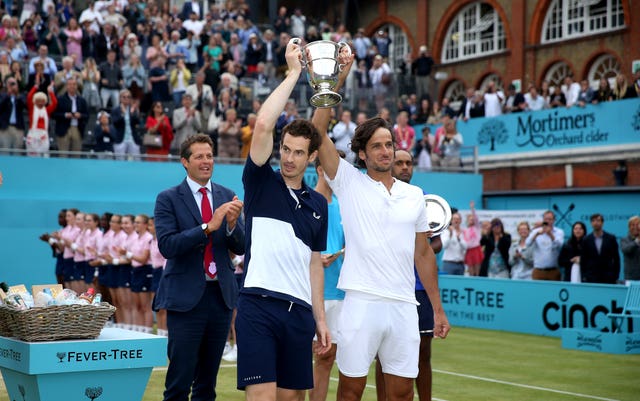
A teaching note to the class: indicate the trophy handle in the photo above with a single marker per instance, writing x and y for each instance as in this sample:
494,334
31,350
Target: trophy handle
343,45
297,41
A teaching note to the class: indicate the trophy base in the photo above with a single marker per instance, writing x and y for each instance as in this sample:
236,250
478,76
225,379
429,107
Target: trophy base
325,99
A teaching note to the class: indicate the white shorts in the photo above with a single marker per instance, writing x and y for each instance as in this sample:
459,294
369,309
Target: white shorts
332,309
371,325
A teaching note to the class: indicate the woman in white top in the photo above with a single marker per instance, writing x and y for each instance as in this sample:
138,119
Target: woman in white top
454,246
521,257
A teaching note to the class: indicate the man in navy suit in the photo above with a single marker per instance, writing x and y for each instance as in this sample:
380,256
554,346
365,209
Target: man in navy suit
71,117
198,288
600,260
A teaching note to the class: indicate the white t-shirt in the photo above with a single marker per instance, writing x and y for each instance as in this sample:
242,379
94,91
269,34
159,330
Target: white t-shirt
380,229
493,104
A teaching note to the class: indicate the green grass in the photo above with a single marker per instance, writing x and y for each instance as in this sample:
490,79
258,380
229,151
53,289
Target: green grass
482,365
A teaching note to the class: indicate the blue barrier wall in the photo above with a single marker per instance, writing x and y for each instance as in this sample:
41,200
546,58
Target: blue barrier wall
532,307
35,189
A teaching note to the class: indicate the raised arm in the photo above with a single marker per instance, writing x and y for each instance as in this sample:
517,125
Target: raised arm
262,141
327,153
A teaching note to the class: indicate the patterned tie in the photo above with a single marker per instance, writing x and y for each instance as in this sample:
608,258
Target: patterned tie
207,214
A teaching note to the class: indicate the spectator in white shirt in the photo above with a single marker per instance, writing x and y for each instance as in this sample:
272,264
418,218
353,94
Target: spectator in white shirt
533,100
571,90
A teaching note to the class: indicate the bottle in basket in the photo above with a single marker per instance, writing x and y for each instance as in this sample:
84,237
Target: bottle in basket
86,298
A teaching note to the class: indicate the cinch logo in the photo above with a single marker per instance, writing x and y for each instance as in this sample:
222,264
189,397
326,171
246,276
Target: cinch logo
565,315
590,341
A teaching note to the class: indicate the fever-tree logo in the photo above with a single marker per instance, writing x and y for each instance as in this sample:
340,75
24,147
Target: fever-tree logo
493,132
93,392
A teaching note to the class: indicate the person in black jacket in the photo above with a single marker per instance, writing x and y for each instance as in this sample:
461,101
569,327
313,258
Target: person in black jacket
126,137
104,132
571,253
600,261
496,251
12,107
71,117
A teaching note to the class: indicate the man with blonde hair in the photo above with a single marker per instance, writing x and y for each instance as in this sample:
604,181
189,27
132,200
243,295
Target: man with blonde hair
630,247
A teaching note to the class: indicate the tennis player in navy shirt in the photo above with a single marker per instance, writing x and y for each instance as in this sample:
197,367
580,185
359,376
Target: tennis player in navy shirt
281,305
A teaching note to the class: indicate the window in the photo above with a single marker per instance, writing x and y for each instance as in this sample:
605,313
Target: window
605,66
575,18
476,31
492,77
399,47
455,92
556,73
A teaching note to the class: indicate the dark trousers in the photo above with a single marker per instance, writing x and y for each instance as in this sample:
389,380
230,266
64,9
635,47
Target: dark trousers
196,343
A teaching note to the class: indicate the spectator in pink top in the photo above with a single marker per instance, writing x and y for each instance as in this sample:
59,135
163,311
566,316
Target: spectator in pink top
124,275
472,235
112,260
141,274
405,134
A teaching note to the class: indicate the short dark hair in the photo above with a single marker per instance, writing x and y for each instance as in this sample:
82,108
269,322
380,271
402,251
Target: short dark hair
596,216
185,147
304,129
363,134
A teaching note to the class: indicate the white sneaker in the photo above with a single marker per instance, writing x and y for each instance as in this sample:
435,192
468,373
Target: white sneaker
232,355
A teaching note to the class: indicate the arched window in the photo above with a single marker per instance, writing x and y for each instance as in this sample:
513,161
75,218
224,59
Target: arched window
455,92
575,18
399,47
556,73
492,77
605,66
476,31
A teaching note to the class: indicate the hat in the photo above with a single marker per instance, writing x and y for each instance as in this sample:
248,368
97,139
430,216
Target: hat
423,49
131,36
85,17
103,113
253,35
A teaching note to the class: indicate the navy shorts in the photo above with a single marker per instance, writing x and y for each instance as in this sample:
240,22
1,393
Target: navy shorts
274,342
425,314
113,273
155,281
89,273
78,271
141,278
67,269
103,275
124,276
59,265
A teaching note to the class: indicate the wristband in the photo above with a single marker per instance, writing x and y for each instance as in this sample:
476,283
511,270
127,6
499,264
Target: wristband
104,262
129,254
74,246
53,241
116,261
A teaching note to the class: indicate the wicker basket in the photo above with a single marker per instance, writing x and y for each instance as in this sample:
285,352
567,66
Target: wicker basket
5,327
57,322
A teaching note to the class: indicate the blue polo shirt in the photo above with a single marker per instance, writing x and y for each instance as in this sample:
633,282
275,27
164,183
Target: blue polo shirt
283,227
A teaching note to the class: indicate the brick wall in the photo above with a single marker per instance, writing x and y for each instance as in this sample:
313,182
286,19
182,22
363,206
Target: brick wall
585,175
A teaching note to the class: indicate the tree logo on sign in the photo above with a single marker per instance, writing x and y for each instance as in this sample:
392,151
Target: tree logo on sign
493,132
636,120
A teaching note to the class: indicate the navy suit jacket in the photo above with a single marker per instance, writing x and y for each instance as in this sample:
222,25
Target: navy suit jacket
181,241
64,106
603,267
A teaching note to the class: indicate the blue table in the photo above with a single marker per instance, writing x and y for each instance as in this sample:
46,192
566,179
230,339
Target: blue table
113,367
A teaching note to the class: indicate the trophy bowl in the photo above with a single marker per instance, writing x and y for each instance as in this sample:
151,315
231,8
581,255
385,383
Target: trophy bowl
438,213
323,67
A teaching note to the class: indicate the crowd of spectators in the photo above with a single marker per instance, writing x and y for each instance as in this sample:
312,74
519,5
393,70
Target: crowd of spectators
148,74
540,252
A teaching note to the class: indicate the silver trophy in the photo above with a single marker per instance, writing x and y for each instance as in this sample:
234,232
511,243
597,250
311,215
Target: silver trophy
321,59
438,213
